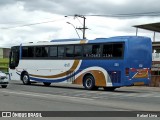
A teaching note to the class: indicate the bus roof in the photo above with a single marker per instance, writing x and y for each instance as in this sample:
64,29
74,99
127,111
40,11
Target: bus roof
64,40
116,39
78,41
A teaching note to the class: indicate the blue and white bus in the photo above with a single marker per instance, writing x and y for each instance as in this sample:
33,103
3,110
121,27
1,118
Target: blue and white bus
104,62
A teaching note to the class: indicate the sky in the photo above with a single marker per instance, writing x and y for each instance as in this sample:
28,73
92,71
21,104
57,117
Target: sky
23,21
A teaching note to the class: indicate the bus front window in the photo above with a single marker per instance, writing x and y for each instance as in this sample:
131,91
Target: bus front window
14,58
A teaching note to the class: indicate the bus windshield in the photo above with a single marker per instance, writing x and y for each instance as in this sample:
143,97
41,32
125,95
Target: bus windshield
14,57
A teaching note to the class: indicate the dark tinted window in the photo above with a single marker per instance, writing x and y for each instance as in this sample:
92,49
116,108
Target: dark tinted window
78,51
44,51
25,52
70,51
114,50
38,52
53,51
107,51
60,51
91,51
28,52
118,50
14,57
41,51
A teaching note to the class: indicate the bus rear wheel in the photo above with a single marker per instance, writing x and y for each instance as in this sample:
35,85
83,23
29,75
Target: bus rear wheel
46,83
89,83
26,79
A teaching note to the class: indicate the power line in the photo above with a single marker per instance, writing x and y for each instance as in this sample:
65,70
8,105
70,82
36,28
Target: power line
154,13
128,15
31,24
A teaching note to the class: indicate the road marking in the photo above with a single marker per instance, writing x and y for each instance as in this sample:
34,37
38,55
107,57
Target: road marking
156,96
85,95
45,95
145,95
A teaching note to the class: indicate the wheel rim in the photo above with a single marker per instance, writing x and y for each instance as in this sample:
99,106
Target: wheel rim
88,83
25,79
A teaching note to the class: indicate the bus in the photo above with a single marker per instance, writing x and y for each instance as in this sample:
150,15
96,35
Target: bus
108,63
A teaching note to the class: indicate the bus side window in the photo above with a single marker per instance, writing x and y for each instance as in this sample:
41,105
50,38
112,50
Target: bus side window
78,51
61,51
44,51
70,51
118,50
87,51
30,52
107,51
25,51
53,51
96,51
38,52
92,51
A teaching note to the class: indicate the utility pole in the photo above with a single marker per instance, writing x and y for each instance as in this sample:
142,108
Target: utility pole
84,25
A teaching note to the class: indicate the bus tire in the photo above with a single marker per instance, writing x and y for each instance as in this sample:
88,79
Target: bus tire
4,86
109,88
89,83
47,83
26,79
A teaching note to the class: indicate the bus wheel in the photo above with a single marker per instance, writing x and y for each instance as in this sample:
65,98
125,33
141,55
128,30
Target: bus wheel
25,79
46,83
109,88
4,86
89,83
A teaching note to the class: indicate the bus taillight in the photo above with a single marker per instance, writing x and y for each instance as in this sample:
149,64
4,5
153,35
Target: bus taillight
133,70
127,71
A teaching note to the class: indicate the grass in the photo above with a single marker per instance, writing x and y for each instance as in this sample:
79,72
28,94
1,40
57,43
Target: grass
4,60
4,64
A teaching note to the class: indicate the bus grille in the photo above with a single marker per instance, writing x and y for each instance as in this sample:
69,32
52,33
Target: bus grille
115,76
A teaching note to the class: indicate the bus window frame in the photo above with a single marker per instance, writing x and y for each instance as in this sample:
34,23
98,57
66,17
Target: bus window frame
82,52
114,58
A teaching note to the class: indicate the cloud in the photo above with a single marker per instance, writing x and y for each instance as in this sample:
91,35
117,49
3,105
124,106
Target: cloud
22,12
71,7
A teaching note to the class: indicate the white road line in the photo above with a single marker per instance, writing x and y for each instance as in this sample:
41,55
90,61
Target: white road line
45,95
157,96
130,95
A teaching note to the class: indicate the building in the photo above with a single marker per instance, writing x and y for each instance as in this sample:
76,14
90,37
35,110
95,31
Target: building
4,52
4,59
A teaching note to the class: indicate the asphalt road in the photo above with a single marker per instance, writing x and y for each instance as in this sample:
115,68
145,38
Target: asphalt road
59,97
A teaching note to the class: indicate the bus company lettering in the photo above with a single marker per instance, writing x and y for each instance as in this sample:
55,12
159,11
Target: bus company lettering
93,55
67,65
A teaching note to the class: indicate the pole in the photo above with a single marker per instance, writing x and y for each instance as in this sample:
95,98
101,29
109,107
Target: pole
84,21
84,25
136,31
154,36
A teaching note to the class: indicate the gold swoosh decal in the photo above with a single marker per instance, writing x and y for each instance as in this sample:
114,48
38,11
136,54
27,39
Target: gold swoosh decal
82,41
74,66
